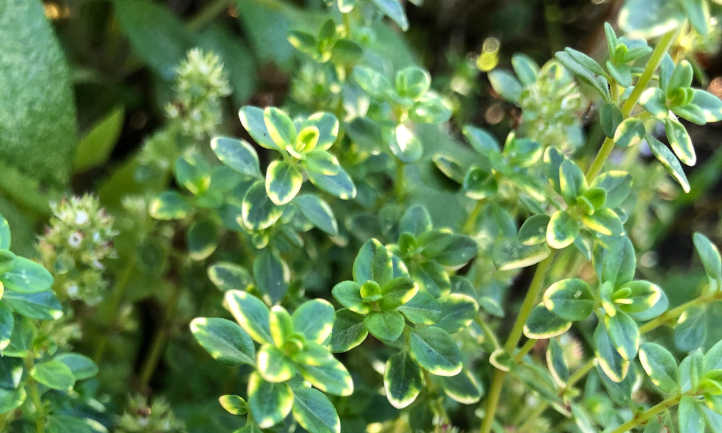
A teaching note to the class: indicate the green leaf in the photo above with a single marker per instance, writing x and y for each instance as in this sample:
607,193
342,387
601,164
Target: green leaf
617,262
36,305
250,313
394,10
227,276
457,312
691,370
273,365
81,366
338,184
654,101
38,132
314,412
169,205
506,85
11,399
321,161
156,35
327,125
314,319
697,12
318,212
422,309
571,181
329,376
647,19
515,255
233,404
571,60
272,275
629,133
449,167
202,239
669,161
348,331
617,184
608,359
374,262
237,154
481,140
556,363
434,350
258,211
26,276
691,329
660,366
348,293
395,293
447,249
709,103
710,257
562,230
372,82
610,116
402,380
690,414
412,82
5,236
54,374
94,149
525,68
543,324
385,325
416,220
224,340
637,296
281,325
624,334
680,142
465,387
253,120
604,221
7,323
269,402
533,230
21,340
280,127
405,145
283,182
570,299
72,424
479,184
430,108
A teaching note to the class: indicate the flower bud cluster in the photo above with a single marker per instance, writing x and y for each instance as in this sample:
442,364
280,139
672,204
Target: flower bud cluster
200,84
76,246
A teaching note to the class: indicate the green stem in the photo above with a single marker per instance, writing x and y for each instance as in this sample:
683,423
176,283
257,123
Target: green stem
159,340
470,222
655,59
529,345
642,418
32,388
529,302
532,417
117,295
488,333
400,181
207,14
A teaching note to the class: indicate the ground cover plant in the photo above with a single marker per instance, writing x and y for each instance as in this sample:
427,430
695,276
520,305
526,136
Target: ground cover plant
266,216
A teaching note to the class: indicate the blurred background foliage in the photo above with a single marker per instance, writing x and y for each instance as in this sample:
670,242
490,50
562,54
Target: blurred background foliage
107,76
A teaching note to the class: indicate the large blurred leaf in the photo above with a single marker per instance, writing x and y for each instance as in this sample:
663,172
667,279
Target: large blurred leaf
156,35
37,111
